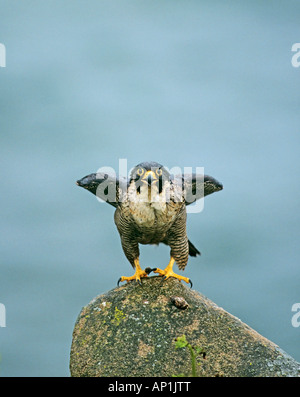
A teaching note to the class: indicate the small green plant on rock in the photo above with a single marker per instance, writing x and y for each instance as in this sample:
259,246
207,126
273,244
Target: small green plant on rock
182,343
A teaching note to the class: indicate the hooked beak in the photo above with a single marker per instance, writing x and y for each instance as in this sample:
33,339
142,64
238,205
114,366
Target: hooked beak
149,177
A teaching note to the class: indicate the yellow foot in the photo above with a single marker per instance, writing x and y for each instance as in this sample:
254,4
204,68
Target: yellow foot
139,273
168,272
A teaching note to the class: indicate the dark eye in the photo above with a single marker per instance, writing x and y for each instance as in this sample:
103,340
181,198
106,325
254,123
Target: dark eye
159,172
140,171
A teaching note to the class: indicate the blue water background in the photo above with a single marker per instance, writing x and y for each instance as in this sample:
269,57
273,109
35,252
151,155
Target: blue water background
184,83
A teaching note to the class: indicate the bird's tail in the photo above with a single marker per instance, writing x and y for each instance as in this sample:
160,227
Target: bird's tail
193,250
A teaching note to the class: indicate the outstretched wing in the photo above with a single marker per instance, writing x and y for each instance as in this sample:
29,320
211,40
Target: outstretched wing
106,187
198,186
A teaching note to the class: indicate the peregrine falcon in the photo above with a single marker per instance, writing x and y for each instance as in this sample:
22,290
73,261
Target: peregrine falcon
151,209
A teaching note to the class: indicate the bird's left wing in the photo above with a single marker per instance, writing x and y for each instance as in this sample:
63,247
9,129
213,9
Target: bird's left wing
198,186
106,187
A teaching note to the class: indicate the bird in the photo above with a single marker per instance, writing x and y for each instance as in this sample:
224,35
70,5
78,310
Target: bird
150,208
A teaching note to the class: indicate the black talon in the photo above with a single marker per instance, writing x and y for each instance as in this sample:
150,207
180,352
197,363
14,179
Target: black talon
139,282
190,281
119,281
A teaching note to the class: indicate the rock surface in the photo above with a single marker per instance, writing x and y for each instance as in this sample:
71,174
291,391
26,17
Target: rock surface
131,331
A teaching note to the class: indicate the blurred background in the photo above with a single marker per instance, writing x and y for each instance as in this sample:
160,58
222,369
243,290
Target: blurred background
197,83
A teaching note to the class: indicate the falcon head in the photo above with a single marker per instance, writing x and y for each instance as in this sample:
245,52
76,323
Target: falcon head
149,174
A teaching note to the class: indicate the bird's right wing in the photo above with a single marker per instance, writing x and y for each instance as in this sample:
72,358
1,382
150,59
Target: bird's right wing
106,187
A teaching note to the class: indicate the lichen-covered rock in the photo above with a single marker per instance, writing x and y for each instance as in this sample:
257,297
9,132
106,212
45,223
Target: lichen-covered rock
131,331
